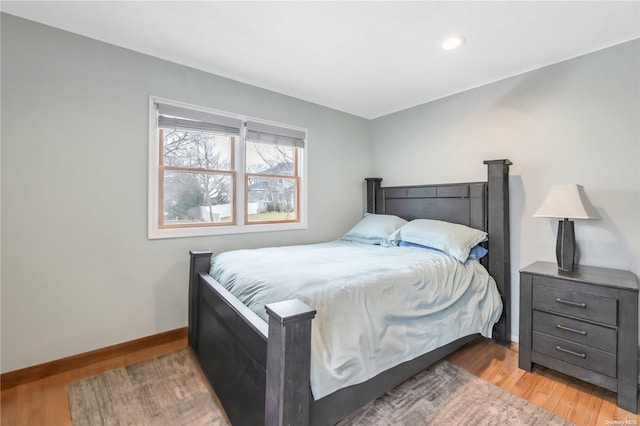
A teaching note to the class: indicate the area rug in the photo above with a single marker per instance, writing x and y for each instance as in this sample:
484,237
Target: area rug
446,394
171,390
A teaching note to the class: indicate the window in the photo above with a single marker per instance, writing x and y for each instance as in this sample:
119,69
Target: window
273,179
217,173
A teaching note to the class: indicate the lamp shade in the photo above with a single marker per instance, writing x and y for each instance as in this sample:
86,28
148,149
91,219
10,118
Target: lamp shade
567,201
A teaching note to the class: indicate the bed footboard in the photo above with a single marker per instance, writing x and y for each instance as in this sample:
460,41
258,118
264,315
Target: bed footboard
259,372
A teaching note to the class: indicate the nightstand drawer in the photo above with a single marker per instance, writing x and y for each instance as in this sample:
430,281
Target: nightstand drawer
576,354
576,331
571,299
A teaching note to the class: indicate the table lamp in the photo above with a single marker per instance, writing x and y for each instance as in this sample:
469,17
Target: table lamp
566,202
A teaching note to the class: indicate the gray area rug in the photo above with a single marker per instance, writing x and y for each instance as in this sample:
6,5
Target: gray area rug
171,390
449,395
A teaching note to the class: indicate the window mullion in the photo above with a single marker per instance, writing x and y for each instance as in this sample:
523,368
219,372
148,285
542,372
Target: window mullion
240,182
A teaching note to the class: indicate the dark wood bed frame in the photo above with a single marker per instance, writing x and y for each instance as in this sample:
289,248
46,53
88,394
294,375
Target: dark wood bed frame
260,371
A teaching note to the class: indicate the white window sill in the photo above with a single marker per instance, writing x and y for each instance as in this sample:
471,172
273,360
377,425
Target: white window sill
155,233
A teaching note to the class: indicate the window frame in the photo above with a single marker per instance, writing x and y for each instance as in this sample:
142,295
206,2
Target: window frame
239,223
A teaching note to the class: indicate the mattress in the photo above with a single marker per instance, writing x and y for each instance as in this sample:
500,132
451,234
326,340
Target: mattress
376,306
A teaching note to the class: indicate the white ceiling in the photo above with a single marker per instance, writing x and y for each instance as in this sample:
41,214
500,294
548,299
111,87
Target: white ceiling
364,58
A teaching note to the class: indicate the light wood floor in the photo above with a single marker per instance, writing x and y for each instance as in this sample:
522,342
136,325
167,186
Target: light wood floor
576,401
44,402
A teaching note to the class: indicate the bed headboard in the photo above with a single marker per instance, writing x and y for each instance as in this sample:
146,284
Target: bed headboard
481,205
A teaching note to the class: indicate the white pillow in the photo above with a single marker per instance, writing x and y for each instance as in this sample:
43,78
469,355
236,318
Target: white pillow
456,240
375,229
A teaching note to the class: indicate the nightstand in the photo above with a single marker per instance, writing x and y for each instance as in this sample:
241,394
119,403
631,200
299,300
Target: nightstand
582,323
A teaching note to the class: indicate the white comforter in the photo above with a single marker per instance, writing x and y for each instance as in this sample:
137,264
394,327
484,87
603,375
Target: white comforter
377,306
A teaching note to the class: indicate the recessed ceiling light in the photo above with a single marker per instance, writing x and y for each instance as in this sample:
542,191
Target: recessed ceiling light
452,42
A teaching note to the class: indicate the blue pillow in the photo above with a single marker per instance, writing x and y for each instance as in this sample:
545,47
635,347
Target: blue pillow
476,253
375,229
454,239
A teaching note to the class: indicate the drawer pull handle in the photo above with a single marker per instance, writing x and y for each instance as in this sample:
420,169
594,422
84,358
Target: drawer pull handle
569,302
561,349
572,330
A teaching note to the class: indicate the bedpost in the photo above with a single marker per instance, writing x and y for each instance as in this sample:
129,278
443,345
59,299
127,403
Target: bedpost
373,186
499,248
200,264
288,363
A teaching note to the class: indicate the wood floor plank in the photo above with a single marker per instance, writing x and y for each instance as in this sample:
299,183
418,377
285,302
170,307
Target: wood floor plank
521,387
579,412
590,414
31,412
541,391
554,397
9,409
56,409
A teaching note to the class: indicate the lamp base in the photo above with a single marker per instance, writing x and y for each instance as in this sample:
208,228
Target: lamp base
566,245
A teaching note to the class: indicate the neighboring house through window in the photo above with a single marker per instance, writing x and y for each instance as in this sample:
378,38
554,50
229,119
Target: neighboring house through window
212,172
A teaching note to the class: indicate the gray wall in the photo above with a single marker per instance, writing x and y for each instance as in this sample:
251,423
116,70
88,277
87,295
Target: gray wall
574,122
78,272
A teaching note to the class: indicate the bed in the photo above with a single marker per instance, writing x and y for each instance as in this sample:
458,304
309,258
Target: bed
261,370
